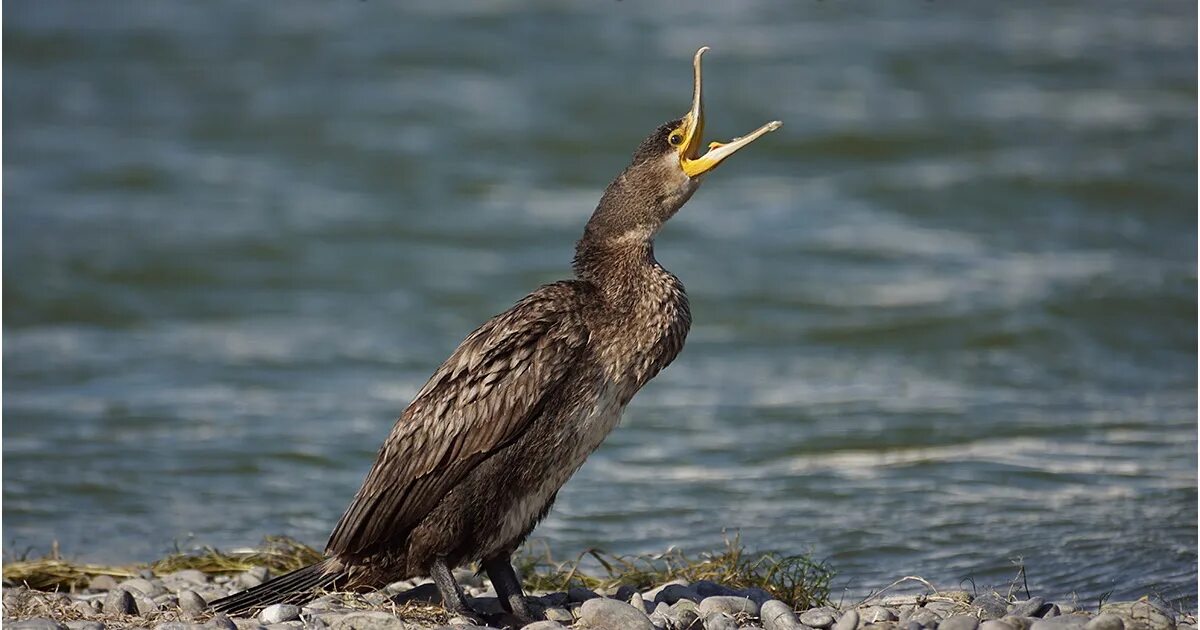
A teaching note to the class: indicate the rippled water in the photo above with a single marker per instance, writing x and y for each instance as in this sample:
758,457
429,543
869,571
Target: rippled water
945,320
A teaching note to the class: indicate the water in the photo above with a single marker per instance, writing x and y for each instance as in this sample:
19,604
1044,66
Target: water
945,320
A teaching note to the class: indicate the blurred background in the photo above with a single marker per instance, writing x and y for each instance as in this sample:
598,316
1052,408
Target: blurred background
945,320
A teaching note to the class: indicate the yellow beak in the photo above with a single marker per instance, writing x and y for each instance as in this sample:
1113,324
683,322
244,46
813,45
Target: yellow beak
690,159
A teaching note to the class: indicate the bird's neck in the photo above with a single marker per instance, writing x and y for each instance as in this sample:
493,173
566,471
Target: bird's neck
622,268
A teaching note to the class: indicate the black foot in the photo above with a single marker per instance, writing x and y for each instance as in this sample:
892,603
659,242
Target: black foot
508,587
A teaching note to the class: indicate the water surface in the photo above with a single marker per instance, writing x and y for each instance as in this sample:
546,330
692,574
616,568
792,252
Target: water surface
945,320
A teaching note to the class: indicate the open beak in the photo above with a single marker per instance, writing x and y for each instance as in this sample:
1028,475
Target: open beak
690,159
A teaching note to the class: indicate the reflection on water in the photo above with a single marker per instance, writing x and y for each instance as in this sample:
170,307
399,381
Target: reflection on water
944,320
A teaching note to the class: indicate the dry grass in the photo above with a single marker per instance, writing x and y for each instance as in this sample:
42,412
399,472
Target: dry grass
797,580
54,573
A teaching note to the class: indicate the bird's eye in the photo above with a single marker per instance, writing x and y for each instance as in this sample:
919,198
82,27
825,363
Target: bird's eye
675,138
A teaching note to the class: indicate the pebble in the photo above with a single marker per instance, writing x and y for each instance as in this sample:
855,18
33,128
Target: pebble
1105,621
36,623
652,594
561,615
849,621
1062,622
170,601
102,583
190,602
991,606
120,602
876,614
777,615
370,620
727,604
675,592
253,577
278,613
84,624
719,621
959,622
1031,607
580,594
221,621
817,618
143,586
612,614
682,614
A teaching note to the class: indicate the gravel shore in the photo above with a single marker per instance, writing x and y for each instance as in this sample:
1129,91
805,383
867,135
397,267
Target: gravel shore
177,601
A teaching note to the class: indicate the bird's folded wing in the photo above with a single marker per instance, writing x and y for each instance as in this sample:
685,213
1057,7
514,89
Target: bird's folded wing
476,403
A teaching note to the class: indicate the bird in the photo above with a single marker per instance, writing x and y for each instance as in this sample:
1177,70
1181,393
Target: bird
477,458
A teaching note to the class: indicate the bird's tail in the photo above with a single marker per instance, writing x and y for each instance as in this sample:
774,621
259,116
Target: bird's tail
297,587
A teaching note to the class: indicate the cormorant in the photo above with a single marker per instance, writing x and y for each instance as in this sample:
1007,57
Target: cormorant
477,458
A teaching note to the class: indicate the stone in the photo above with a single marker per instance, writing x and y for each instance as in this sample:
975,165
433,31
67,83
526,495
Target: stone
672,593
991,606
561,615
370,620
610,614
544,625
553,599
876,614
1018,623
849,621
278,613
287,625
143,586
637,602
719,621
776,615
959,622
190,602
120,602
178,625
253,577
580,594
652,594
624,592
221,621
682,614
817,618
426,593
995,624
188,576
759,596
923,617
731,605
102,583
913,625
708,588
1062,622
84,624
86,608
36,623
1141,614
1105,621
1031,607
467,577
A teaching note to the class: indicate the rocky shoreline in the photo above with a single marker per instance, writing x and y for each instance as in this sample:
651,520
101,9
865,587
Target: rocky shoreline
177,601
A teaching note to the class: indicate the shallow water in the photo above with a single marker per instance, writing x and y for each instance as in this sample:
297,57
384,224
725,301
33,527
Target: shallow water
945,320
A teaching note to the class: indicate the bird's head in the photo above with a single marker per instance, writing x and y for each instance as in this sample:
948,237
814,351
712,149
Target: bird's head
666,169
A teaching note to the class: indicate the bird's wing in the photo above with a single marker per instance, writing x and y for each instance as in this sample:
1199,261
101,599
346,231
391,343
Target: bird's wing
477,402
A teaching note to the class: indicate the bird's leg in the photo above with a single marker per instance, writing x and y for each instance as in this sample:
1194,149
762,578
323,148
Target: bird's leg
453,598
508,587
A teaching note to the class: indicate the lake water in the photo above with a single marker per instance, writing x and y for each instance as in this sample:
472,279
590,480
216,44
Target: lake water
945,319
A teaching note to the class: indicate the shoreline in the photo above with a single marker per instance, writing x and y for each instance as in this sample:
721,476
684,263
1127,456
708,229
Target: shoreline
727,590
